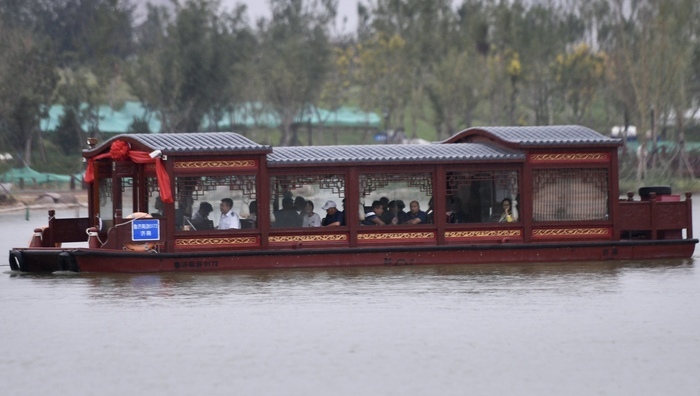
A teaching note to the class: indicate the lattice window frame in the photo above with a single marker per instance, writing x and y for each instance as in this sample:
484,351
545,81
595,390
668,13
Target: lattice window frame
504,180
540,178
247,184
127,182
335,183
371,182
105,190
152,186
593,206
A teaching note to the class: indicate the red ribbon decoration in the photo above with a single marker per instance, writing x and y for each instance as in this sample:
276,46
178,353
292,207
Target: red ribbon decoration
119,151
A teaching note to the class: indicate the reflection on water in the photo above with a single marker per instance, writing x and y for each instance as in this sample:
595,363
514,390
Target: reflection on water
623,328
487,281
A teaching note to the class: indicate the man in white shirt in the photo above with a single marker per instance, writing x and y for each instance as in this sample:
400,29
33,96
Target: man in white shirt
229,218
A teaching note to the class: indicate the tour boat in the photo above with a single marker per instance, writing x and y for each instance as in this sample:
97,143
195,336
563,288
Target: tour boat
162,202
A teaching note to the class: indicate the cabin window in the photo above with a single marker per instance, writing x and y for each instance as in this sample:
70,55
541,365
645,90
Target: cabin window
477,196
198,200
289,196
155,204
398,193
107,200
127,195
106,204
570,194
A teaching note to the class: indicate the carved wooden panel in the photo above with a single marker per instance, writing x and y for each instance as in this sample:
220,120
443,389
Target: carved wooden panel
217,242
635,216
571,233
480,234
217,165
670,215
563,158
308,238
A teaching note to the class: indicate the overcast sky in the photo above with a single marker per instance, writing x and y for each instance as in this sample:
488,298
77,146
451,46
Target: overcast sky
257,8
260,8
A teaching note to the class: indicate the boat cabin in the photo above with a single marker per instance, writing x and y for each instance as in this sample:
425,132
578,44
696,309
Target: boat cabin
561,182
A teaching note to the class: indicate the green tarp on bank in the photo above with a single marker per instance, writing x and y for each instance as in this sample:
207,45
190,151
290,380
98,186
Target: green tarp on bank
255,115
30,177
250,115
111,120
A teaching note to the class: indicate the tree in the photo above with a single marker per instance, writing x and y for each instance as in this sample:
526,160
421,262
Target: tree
27,82
235,56
154,76
78,95
649,44
91,36
453,91
294,57
382,75
504,64
335,91
69,134
186,65
425,31
549,31
577,76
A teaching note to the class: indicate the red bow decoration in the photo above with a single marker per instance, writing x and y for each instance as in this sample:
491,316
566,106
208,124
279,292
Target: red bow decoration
120,151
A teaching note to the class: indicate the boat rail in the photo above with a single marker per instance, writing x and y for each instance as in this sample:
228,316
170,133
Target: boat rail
60,230
659,217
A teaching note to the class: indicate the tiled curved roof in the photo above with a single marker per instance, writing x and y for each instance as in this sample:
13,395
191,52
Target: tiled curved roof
193,142
383,153
548,135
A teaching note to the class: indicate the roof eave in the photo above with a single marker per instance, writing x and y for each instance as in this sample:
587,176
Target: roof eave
570,145
374,162
142,146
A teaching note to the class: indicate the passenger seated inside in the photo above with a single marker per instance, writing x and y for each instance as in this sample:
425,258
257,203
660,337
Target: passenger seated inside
400,214
430,213
334,217
229,219
253,210
299,205
373,217
385,202
389,213
287,217
310,219
252,220
200,219
394,214
180,217
510,214
415,215
158,206
458,215
183,212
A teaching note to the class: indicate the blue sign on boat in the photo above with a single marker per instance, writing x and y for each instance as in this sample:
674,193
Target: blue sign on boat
145,230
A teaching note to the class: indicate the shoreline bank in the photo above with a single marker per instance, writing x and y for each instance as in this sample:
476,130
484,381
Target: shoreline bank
26,200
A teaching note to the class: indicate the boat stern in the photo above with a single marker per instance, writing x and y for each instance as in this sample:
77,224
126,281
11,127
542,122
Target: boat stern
42,260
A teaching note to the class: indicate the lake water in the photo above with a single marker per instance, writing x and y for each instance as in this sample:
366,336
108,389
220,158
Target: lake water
626,328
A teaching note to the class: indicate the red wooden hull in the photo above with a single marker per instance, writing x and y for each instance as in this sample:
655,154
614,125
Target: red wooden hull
100,260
